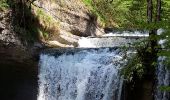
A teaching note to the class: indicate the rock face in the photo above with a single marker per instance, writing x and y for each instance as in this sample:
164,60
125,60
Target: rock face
11,47
18,68
74,21
72,15
8,39
7,35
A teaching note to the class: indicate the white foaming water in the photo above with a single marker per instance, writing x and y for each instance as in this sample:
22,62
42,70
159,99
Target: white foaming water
85,75
127,34
104,42
118,39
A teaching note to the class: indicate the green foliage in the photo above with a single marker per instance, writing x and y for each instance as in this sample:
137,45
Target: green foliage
3,5
94,10
165,88
165,24
129,14
136,15
134,66
119,13
165,11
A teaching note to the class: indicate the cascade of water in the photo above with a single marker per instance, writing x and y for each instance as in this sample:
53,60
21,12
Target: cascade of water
104,42
163,78
91,74
112,40
84,74
163,73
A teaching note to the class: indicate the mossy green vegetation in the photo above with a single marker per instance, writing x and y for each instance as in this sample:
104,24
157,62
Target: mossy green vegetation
165,88
48,26
3,5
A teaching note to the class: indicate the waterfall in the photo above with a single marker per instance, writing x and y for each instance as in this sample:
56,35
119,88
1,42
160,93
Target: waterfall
84,74
90,72
163,77
162,72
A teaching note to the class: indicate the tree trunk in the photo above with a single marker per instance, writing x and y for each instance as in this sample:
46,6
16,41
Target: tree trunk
149,10
158,12
152,55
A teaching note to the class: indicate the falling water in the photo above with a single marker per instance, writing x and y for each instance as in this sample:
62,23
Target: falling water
163,74
84,74
163,77
91,74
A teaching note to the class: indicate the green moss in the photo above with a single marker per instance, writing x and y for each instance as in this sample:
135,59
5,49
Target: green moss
48,26
43,16
3,5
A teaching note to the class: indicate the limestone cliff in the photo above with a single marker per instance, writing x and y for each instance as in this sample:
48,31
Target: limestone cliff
74,21
72,15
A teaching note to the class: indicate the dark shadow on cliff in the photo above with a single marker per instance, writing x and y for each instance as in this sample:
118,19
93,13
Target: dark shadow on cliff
18,74
18,68
90,29
18,81
91,25
24,21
